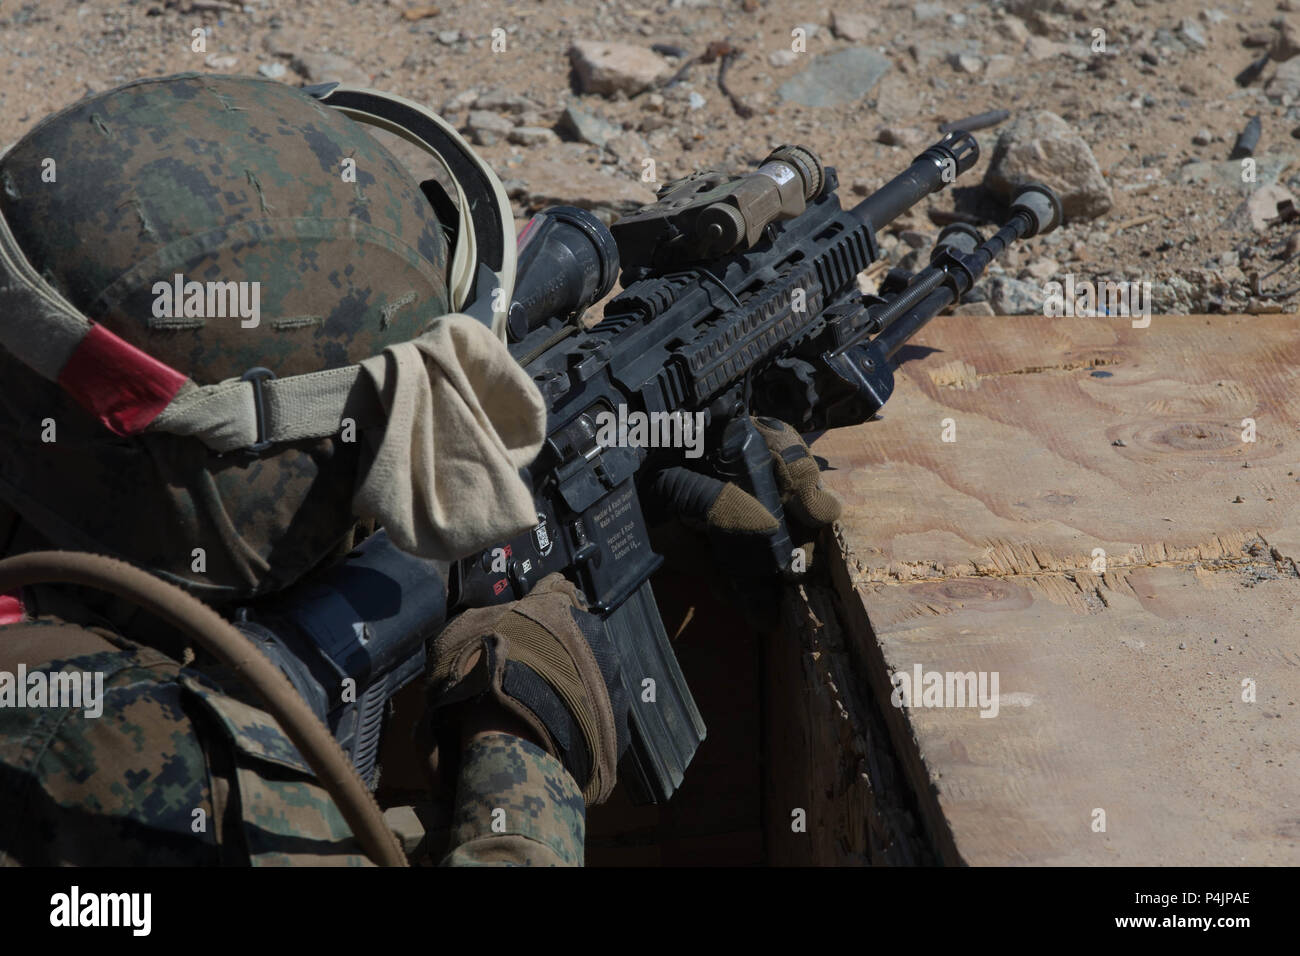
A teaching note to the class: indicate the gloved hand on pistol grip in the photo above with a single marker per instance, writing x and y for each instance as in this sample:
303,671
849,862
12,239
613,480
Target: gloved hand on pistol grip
549,662
798,477
724,507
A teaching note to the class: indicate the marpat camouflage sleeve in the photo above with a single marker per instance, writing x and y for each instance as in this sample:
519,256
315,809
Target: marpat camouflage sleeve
516,805
167,770
162,770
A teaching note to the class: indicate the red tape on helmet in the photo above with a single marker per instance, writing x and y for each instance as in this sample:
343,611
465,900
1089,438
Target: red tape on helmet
11,609
123,387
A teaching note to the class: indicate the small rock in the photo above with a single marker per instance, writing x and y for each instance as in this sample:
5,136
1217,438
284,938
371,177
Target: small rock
966,63
285,43
928,11
854,27
532,136
1015,28
999,66
1119,443
1167,43
462,100
629,149
564,178
1191,34
1175,297
1041,48
218,62
1260,208
695,101
837,79
1044,268
1042,147
609,68
1203,137
1226,173
1039,16
485,119
927,49
652,122
588,127
272,71
782,58
1285,82
499,101
1009,296
323,67
448,37
1286,42
486,128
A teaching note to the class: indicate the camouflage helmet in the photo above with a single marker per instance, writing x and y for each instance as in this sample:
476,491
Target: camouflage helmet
195,240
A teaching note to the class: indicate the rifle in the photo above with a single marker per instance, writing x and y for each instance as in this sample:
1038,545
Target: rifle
739,296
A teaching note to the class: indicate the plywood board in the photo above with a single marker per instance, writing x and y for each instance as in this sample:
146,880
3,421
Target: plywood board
1120,686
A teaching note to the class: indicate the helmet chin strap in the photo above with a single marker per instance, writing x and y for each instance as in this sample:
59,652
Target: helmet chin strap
483,260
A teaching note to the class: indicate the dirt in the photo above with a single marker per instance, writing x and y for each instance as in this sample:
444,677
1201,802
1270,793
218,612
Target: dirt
1138,117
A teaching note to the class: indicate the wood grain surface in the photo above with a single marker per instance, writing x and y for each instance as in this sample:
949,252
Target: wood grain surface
1120,687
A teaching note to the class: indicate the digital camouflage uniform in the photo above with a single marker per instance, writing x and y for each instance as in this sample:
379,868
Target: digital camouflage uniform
216,178
174,773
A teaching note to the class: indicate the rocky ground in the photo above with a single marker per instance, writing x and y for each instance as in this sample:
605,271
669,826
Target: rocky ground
1131,108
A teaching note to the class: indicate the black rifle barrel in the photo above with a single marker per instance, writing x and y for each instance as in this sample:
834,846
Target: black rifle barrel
957,263
939,165
932,292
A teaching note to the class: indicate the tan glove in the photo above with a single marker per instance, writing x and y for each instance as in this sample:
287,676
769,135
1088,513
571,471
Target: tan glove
547,661
726,508
738,522
798,478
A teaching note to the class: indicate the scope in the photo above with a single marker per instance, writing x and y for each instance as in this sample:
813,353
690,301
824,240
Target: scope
567,261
